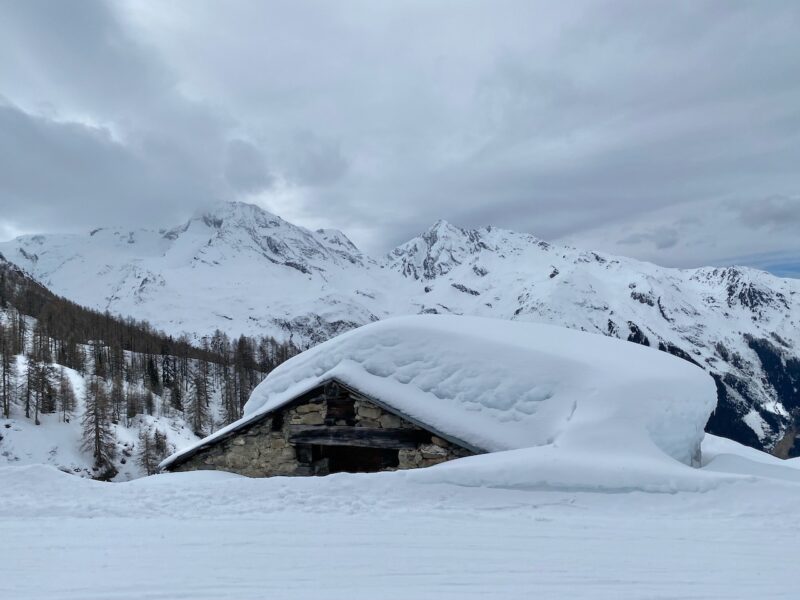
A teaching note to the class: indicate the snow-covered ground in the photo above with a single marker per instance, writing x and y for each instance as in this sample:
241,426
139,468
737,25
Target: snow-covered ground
57,442
728,530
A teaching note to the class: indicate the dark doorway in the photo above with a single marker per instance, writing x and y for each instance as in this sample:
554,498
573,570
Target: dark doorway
356,459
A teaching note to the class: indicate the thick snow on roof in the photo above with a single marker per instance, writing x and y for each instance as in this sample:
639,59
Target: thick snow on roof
501,385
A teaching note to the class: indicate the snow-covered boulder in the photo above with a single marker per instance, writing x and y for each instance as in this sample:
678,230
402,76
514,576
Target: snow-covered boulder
500,385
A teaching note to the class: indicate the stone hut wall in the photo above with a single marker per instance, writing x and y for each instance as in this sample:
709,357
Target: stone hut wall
263,449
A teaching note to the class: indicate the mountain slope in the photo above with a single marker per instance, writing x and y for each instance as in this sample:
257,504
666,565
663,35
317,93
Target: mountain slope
237,268
740,324
106,397
244,270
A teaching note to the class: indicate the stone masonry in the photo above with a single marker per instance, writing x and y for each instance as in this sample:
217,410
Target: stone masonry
262,449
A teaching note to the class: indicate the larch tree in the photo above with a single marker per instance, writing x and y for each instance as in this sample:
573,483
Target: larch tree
149,403
230,398
133,404
117,397
176,394
3,291
146,454
67,401
40,374
160,445
198,407
100,360
152,378
98,435
8,365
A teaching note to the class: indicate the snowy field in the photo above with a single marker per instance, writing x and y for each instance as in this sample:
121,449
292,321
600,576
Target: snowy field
728,530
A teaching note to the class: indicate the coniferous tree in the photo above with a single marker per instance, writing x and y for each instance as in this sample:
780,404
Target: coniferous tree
3,292
133,369
160,445
19,329
167,366
40,374
100,360
146,455
264,354
149,403
230,397
27,385
197,409
220,346
66,397
98,436
7,372
117,398
116,360
73,356
244,366
176,395
133,404
80,360
152,379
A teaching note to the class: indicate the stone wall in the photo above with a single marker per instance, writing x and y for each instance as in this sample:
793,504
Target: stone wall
426,455
256,452
263,449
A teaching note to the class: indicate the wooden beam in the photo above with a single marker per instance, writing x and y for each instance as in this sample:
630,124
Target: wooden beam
365,437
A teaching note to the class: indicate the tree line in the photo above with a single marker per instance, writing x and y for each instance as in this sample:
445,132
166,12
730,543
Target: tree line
129,370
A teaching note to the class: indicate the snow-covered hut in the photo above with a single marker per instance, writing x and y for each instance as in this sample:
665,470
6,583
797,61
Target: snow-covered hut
416,391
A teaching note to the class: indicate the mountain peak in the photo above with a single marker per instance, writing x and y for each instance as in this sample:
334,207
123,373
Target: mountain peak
443,229
237,212
227,216
435,252
239,229
442,224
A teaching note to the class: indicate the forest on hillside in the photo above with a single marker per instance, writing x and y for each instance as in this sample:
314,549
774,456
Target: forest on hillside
129,370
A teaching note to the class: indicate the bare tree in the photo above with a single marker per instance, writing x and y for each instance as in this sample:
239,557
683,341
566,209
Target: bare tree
98,436
66,397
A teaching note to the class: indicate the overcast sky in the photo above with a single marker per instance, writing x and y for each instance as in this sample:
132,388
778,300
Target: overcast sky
666,131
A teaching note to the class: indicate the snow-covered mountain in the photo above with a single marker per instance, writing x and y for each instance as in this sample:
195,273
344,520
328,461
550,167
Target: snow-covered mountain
237,268
740,324
244,270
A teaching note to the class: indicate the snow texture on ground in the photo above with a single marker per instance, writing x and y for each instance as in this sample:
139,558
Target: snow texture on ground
57,442
420,534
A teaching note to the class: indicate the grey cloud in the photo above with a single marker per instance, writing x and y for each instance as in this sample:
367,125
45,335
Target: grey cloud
66,175
246,167
552,118
93,130
77,55
774,212
316,161
662,238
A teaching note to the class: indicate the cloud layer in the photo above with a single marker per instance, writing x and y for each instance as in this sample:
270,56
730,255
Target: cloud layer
665,131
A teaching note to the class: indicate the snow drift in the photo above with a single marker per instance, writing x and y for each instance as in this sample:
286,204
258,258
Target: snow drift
498,385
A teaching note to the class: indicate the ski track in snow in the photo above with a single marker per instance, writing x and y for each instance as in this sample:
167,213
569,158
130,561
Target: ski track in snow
299,555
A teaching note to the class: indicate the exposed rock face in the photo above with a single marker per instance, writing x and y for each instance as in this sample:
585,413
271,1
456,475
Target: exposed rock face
267,447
